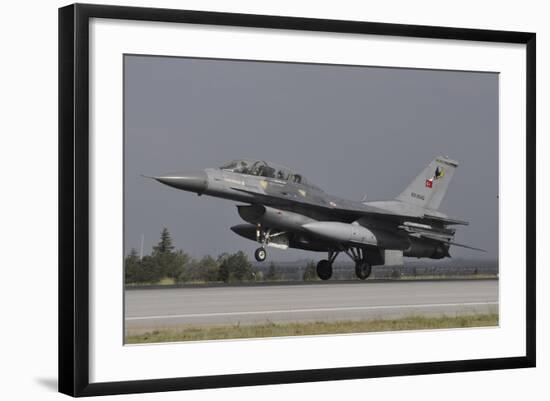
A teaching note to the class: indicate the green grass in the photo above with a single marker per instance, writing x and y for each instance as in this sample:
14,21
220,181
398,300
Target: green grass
270,329
447,277
166,281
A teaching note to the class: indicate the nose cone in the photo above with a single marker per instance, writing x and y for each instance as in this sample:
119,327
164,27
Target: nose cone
193,181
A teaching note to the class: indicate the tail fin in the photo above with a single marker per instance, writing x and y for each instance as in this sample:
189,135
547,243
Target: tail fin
429,187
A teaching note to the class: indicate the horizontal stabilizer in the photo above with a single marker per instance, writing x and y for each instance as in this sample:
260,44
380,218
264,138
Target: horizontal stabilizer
445,220
438,238
467,246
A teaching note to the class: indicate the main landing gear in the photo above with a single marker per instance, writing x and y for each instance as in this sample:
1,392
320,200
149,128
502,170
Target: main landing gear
363,269
324,267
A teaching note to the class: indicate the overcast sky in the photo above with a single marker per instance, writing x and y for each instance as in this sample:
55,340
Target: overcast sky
350,130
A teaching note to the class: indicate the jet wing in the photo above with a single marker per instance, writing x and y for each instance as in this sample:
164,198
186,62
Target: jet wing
347,211
339,208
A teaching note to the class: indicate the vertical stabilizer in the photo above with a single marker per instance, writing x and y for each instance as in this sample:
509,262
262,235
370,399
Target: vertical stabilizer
429,187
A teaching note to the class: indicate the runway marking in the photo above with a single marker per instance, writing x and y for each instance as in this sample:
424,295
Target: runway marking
191,315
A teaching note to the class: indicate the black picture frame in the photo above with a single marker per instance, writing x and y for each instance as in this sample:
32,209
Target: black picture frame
74,198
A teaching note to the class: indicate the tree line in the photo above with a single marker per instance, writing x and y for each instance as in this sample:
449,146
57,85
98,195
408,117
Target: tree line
165,262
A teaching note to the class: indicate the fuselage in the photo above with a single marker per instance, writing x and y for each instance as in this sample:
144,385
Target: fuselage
283,209
294,206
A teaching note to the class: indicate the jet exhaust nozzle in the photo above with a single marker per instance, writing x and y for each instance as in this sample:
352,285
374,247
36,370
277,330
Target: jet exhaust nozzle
423,249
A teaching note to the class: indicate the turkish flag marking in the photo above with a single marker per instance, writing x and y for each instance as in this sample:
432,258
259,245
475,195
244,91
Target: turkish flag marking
429,183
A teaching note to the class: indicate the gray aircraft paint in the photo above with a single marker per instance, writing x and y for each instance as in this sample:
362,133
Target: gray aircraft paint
285,211
430,186
188,113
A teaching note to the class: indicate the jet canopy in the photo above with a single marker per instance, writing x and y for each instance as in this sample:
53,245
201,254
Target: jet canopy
263,169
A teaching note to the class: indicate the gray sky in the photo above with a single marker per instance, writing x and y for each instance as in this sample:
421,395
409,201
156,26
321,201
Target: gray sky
350,130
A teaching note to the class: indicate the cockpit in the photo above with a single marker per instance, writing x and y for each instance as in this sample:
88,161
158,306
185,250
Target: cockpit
262,169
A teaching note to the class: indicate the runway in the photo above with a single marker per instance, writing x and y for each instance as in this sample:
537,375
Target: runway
162,308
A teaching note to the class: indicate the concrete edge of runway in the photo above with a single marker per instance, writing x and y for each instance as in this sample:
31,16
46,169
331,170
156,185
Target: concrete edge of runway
313,282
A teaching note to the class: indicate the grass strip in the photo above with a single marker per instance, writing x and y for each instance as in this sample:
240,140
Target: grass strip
273,329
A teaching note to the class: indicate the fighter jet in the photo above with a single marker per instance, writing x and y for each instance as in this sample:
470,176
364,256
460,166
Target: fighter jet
283,209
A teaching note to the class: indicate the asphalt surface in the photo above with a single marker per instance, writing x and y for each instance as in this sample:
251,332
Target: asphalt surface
160,308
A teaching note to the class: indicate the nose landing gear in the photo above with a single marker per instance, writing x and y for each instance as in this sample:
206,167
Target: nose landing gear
264,237
260,254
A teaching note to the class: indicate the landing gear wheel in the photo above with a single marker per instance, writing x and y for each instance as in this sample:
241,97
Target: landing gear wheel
362,270
260,254
324,269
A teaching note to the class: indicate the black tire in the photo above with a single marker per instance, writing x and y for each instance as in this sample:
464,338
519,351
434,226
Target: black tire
260,254
363,270
324,269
